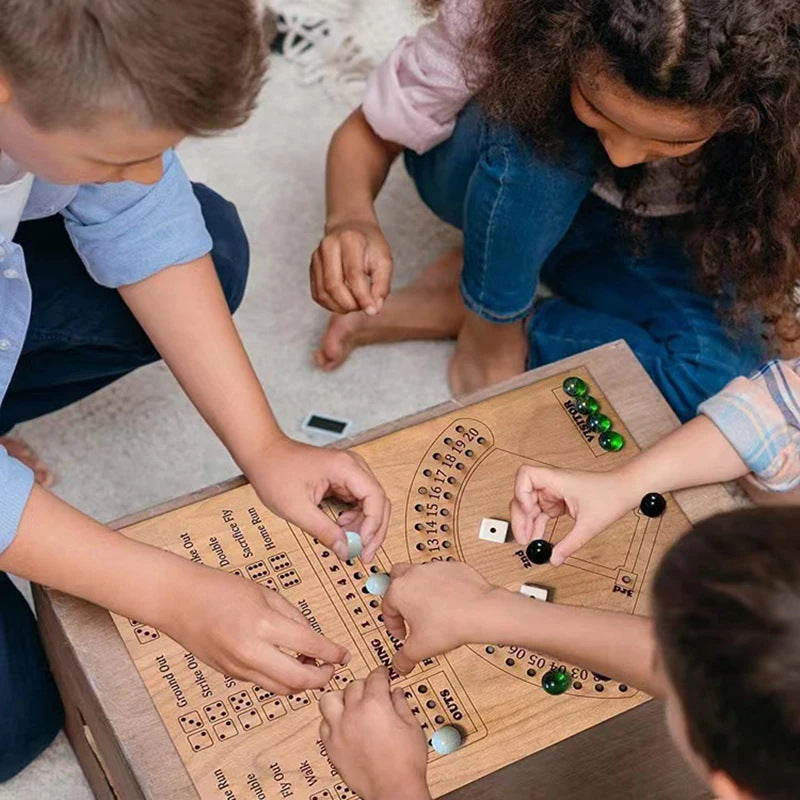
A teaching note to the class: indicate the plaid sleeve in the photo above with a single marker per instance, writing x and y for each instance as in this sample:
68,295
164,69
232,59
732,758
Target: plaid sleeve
760,417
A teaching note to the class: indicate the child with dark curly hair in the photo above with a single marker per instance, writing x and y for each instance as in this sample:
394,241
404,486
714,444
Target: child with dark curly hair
640,157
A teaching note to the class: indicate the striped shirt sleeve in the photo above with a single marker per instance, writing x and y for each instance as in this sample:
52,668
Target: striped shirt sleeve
760,417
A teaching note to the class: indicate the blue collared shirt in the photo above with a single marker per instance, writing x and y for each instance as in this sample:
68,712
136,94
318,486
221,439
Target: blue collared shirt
123,233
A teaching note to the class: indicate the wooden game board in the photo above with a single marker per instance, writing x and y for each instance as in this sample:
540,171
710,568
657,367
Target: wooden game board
444,472
443,476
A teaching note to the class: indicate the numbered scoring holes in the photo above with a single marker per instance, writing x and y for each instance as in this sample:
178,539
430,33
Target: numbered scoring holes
250,719
190,722
240,701
200,740
215,711
280,562
225,730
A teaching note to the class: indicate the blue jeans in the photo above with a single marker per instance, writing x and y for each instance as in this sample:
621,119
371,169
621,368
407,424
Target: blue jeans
81,337
524,219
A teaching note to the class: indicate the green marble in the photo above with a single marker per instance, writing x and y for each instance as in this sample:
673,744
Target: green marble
587,405
555,681
612,441
575,387
599,423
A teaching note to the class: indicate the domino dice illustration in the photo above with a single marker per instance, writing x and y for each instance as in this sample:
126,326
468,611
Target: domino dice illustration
190,722
240,701
200,740
225,730
215,711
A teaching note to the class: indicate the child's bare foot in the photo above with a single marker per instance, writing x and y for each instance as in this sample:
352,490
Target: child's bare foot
430,308
16,448
487,353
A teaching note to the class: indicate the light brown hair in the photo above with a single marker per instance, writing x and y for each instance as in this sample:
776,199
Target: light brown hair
191,65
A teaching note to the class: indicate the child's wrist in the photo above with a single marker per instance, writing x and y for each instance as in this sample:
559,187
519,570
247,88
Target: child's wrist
483,623
352,215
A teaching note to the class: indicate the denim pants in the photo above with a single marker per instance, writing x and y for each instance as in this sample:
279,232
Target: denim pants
81,337
524,218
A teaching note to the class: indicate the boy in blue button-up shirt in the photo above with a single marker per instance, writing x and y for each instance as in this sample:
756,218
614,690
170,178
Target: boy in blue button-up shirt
109,257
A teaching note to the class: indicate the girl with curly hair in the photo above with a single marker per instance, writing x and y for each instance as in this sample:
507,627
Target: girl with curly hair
640,157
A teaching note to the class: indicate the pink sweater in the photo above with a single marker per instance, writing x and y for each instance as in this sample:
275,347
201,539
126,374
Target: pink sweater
415,95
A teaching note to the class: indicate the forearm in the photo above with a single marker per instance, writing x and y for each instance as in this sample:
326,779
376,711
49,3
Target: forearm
619,645
184,312
693,455
358,163
59,547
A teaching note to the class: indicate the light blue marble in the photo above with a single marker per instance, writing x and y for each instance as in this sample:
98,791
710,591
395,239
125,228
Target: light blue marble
354,545
446,740
378,584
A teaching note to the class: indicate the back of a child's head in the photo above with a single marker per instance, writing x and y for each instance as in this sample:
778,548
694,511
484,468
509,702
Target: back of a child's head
195,66
727,612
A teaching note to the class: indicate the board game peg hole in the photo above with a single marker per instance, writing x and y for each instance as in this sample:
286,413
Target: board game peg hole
422,490
419,507
448,440
437,456
490,649
469,453
531,673
420,546
427,473
459,429
419,526
577,685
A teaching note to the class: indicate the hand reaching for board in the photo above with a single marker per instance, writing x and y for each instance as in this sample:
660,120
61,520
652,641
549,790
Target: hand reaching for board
593,499
243,629
440,605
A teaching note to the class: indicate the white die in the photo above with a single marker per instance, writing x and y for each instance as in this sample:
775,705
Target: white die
493,530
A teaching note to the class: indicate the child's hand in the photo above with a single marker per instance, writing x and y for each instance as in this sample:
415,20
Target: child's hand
442,604
293,479
352,268
593,499
374,740
242,629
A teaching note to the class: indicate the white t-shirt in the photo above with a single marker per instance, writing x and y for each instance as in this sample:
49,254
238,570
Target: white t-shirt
15,187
